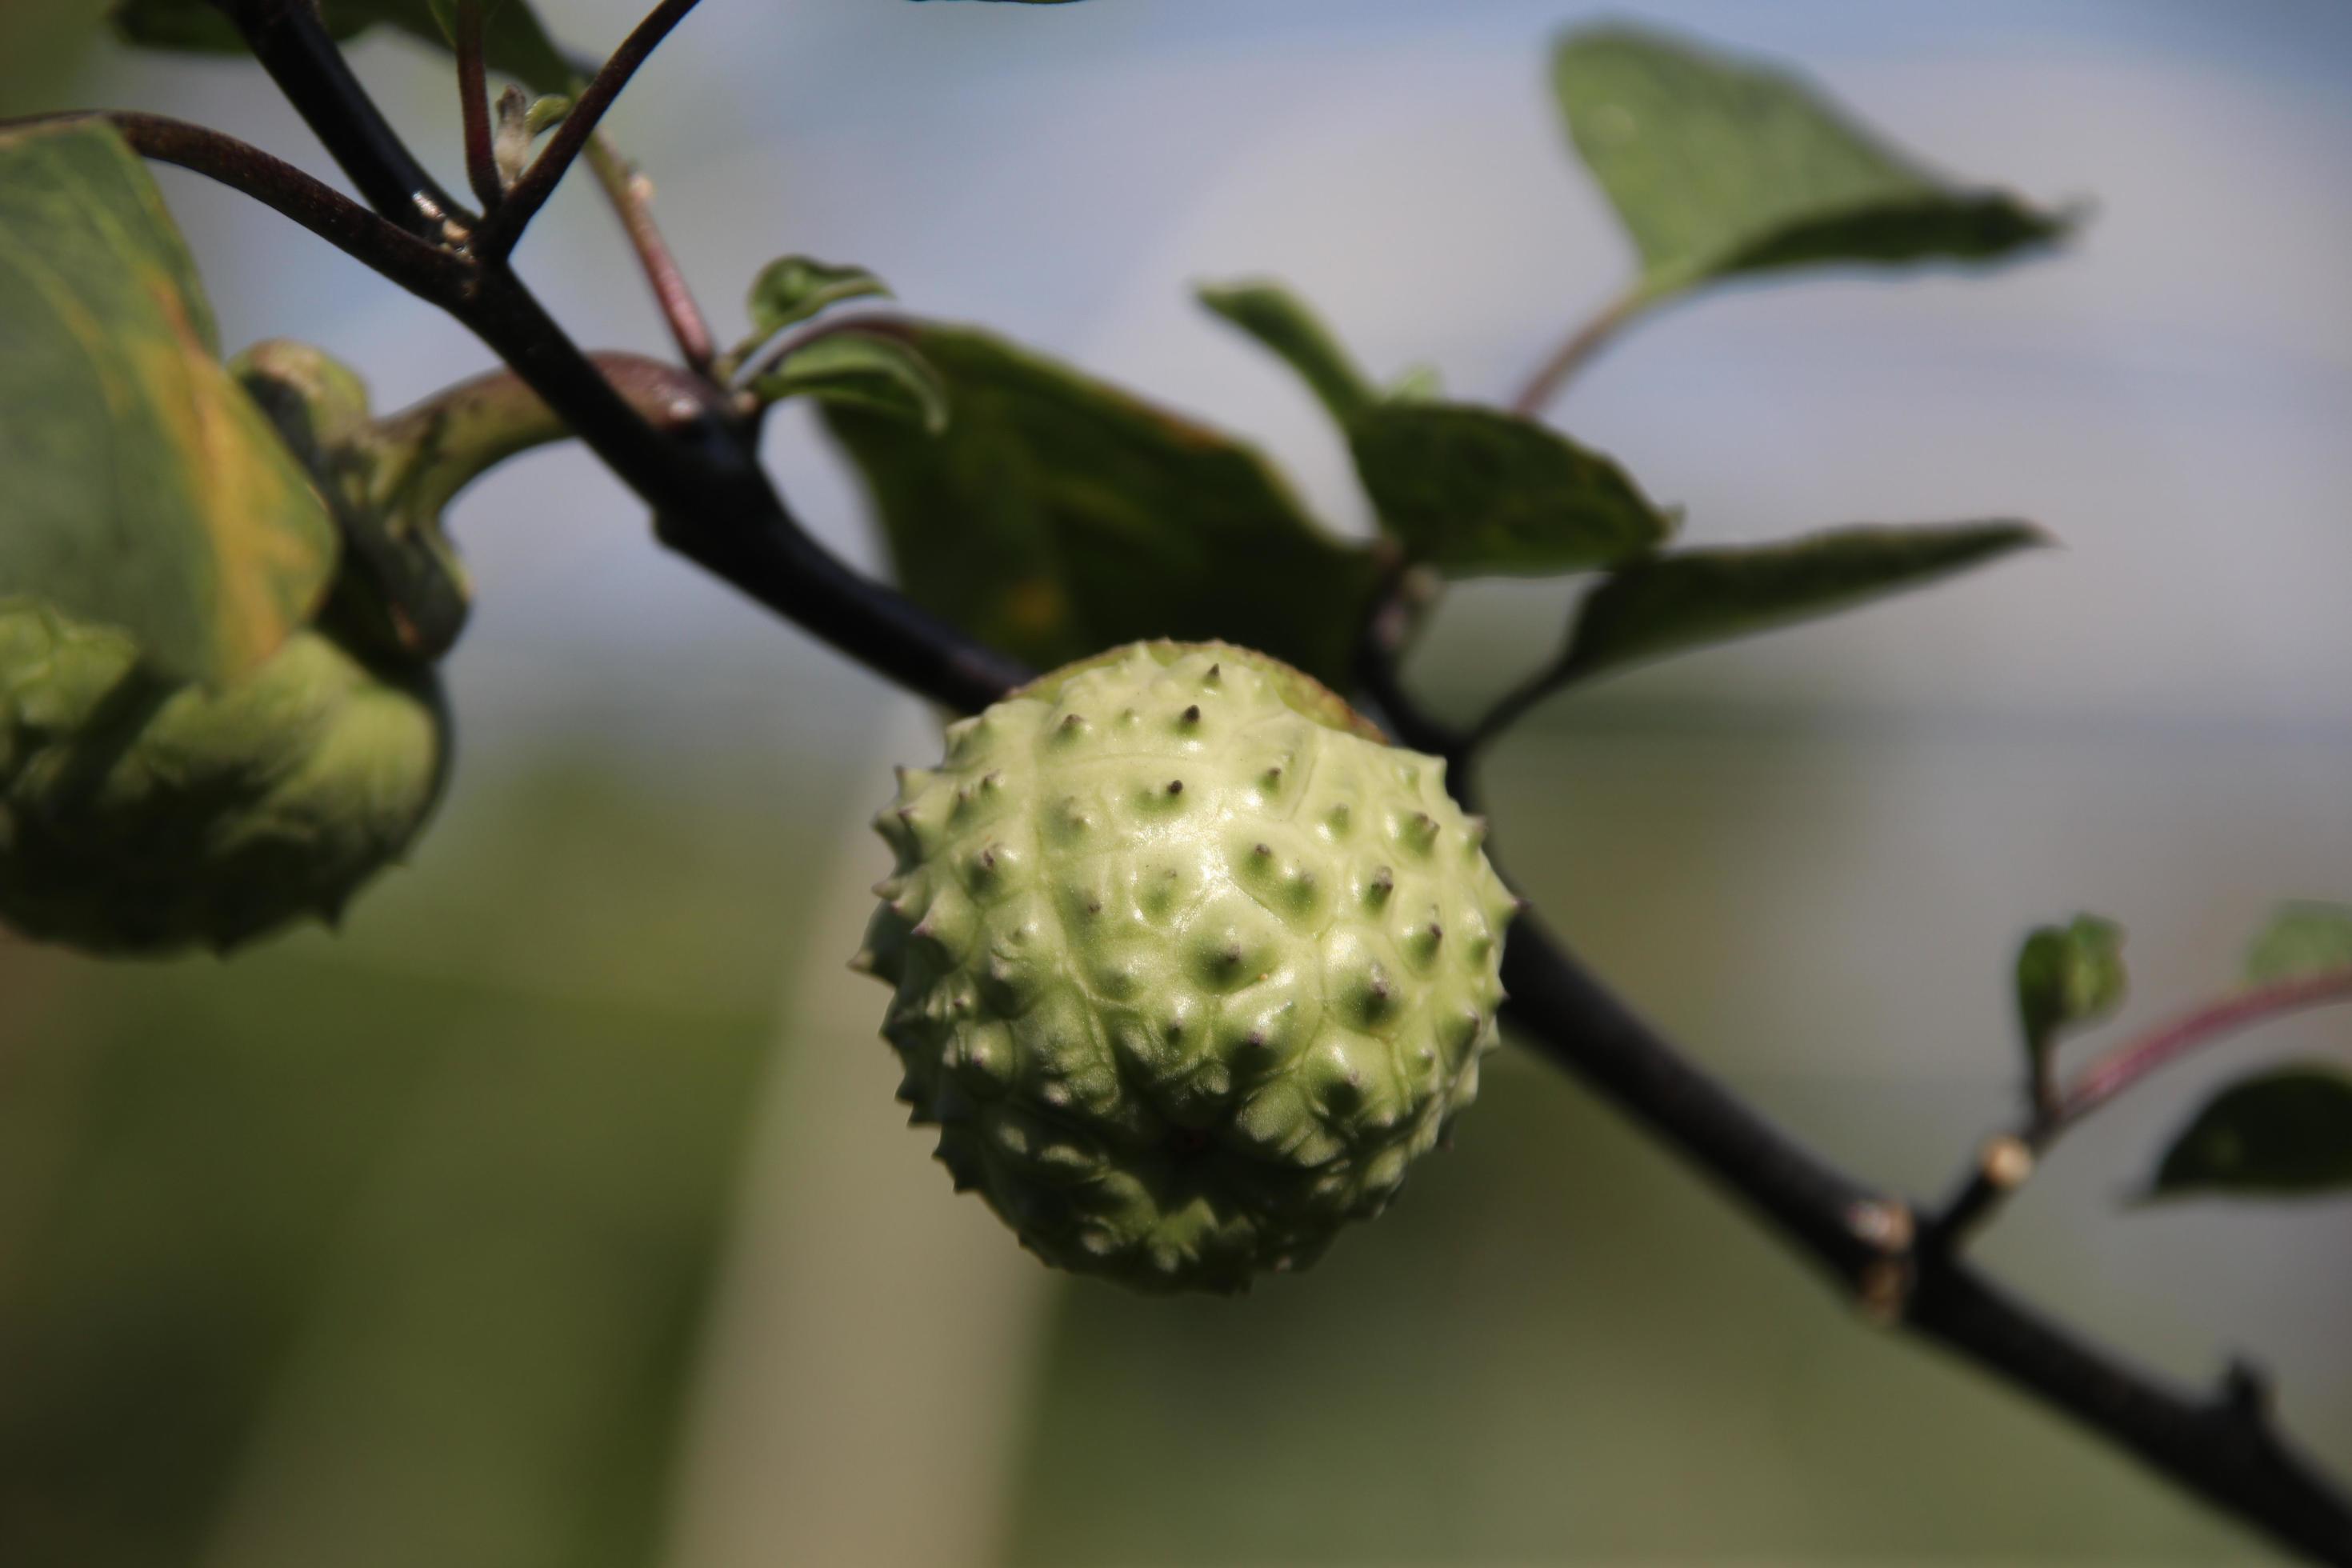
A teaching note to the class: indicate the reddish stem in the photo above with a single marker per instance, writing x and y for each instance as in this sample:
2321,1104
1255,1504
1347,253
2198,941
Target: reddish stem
474,101
2135,1059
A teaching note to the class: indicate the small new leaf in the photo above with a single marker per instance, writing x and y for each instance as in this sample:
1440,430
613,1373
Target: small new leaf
1474,492
1058,516
1718,167
861,370
2287,1133
1696,597
1282,321
2301,940
145,491
2068,976
793,289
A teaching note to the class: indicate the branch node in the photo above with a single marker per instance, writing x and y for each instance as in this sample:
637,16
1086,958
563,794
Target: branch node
1884,1292
2006,1162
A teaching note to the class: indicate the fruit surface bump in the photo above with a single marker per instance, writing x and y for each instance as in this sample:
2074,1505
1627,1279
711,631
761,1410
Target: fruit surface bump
1189,964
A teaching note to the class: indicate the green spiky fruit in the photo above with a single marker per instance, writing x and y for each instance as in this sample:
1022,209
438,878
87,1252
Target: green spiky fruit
1189,965
140,817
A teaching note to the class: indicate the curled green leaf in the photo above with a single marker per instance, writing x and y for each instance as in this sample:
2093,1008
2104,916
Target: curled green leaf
2068,976
861,370
793,289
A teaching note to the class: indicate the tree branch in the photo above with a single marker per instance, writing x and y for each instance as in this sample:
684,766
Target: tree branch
714,505
502,229
285,37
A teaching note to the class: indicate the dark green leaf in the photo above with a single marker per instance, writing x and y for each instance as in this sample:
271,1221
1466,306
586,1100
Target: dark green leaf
514,41
1475,491
861,370
1717,167
1281,320
2285,1132
2068,976
145,489
2301,938
1700,596
1058,516
793,288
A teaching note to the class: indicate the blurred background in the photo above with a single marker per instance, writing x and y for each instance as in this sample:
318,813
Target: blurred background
557,1212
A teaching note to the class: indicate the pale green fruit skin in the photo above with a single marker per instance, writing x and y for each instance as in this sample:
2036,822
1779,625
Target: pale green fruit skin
1188,966
136,817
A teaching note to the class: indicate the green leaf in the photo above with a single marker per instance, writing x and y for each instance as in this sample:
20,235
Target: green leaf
2068,976
1058,516
1281,320
2287,1133
861,370
793,289
514,41
1699,597
2301,938
145,491
1475,491
1717,167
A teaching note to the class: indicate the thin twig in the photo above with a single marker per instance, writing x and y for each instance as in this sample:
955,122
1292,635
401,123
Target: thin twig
1580,347
632,201
474,104
499,232
422,269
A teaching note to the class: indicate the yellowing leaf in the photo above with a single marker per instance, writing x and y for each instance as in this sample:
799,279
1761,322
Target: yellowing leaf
145,491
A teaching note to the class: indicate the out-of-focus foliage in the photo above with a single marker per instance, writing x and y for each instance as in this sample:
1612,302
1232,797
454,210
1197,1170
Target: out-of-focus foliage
140,817
395,1249
1717,167
146,492
2284,1133
2301,940
2068,976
